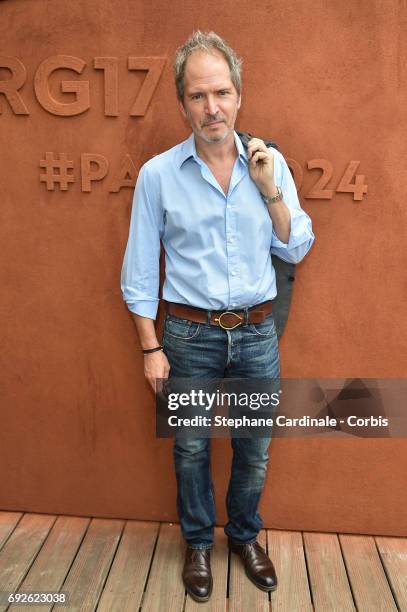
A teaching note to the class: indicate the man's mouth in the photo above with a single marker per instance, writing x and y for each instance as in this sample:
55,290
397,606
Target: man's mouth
213,122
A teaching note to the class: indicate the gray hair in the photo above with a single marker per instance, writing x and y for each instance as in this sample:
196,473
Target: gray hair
205,41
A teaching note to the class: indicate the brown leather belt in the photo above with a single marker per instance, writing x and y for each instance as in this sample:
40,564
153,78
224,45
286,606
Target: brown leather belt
227,319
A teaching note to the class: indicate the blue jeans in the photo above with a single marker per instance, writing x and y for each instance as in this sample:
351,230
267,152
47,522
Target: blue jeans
197,350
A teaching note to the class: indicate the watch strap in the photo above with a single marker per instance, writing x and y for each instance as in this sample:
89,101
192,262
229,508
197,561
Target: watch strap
277,198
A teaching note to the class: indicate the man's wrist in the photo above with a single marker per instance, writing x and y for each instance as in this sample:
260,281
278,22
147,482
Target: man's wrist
154,349
270,192
147,345
271,197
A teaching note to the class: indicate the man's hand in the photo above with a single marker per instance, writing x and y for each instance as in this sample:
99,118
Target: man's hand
261,169
156,366
261,166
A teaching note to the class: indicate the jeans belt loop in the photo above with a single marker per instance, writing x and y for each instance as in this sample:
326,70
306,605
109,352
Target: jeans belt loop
208,317
246,316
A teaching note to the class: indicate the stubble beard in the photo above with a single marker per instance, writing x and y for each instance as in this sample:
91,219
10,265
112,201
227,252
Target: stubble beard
211,139
215,137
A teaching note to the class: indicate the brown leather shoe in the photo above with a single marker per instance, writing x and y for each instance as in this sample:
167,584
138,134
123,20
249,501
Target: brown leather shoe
257,564
197,575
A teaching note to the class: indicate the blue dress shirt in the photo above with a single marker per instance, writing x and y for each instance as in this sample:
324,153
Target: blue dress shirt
217,247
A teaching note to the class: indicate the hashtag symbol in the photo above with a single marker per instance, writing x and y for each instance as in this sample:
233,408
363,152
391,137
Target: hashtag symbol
56,171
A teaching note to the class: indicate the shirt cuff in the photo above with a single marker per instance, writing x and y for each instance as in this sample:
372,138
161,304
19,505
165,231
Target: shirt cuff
300,231
144,308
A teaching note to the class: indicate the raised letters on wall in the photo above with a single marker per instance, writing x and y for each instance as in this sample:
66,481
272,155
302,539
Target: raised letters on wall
153,66
58,169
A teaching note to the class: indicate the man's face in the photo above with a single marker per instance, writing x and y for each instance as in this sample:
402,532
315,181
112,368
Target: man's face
210,100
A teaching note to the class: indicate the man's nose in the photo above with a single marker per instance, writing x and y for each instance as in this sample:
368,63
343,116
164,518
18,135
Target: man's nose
211,105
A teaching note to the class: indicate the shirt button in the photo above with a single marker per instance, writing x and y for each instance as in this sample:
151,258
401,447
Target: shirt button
233,273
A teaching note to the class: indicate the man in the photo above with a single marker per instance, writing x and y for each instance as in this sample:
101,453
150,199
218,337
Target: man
220,213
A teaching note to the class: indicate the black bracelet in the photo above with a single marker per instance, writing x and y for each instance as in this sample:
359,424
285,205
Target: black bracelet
153,350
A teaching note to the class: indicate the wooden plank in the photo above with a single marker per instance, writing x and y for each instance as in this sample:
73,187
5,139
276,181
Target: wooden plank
8,521
85,580
219,565
52,564
368,581
165,590
124,588
327,574
243,594
21,548
287,553
393,552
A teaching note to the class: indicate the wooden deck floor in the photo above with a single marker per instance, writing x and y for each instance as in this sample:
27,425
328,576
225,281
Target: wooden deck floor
116,565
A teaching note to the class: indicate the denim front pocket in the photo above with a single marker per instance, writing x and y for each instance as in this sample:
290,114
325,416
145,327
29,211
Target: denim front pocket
267,328
181,328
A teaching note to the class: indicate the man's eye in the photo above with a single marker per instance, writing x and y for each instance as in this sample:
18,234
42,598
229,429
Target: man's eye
196,96
223,92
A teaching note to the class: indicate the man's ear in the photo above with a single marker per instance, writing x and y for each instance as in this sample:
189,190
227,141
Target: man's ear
181,105
239,101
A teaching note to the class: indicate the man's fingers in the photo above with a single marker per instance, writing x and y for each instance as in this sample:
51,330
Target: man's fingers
258,156
156,369
158,385
255,144
254,141
152,383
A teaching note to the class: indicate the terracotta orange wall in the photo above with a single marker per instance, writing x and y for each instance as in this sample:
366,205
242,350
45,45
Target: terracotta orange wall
326,81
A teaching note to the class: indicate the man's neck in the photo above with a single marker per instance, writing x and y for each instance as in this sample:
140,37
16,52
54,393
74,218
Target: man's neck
217,152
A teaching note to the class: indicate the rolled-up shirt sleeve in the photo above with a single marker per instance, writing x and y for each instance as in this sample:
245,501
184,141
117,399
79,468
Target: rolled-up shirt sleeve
301,235
140,274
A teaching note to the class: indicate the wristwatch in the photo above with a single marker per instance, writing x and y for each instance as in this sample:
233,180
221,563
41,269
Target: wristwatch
276,198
